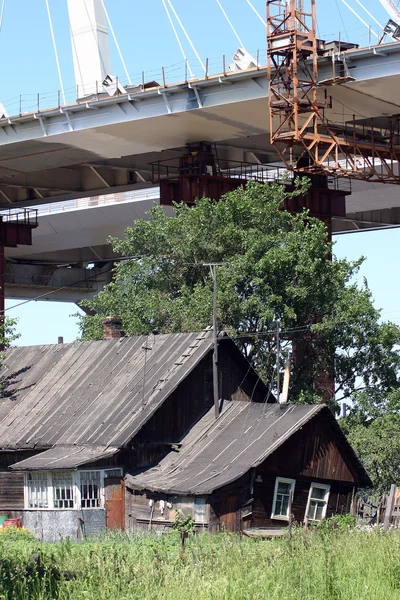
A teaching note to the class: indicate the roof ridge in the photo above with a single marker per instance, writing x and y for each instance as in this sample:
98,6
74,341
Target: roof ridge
184,357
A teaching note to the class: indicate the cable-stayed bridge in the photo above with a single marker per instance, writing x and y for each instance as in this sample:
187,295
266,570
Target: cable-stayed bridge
122,136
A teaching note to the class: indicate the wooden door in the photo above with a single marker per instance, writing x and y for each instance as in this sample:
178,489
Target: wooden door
114,500
229,513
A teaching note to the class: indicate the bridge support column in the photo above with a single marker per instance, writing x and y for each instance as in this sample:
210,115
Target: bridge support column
89,37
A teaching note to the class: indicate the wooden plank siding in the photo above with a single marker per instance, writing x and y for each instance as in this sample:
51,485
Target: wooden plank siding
338,503
11,491
193,397
12,484
313,452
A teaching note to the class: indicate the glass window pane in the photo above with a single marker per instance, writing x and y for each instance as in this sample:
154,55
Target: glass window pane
62,489
37,490
200,509
312,510
283,488
320,510
90,489
318,493
285,505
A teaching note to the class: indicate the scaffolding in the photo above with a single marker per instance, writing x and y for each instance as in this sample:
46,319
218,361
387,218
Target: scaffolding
305,139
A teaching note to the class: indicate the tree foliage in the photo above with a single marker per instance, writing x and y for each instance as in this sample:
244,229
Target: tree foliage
275,267
373,428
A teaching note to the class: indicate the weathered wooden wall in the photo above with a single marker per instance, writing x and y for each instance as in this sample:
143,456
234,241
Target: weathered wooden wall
339,501
12,484
312,454
187,404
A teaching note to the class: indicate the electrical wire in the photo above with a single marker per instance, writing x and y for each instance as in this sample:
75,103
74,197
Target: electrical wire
187,35
231,25
55,51
341,18
116,42
177,37
2,13
257,13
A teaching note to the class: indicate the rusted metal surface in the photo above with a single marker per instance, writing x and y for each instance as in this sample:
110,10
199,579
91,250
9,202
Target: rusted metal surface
15,228
299,130
114,502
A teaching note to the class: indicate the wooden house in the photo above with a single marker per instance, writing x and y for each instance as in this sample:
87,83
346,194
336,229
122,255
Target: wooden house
121,433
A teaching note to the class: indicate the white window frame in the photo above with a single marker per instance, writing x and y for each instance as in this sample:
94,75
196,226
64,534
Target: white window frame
327,489
183,503
279,480
46,475
76,488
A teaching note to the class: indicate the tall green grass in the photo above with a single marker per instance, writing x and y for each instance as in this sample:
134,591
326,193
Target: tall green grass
318,565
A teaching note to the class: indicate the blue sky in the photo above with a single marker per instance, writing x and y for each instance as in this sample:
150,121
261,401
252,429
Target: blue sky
147,43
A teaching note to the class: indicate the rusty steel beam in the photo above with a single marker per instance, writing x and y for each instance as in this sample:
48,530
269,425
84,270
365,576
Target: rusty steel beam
300,132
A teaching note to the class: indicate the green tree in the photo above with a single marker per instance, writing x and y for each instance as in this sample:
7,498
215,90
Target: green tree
373,428
274,267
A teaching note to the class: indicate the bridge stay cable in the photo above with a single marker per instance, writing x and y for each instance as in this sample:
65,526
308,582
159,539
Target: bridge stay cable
116,43
231,25
177,38
370,14
263,21
2,13
360,18
55,52
187,36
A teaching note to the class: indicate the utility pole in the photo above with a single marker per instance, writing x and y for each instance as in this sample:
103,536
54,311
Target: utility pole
278,362
213,270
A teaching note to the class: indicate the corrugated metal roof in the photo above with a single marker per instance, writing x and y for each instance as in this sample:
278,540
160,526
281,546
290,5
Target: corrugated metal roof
216,453
96,393
64,457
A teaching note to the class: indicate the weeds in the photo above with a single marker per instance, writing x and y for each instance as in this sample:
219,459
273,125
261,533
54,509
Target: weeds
330,564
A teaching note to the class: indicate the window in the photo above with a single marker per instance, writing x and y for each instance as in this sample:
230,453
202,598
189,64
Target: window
280,506
317,501
90,489
37,494
67,489
63,489
195,507
199,512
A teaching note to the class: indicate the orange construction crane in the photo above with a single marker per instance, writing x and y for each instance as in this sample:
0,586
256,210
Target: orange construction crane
305,139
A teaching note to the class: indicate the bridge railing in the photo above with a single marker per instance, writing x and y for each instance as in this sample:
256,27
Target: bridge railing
82,203
20,216
181,72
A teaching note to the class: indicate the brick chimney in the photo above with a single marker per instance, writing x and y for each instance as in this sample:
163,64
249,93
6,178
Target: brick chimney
112,328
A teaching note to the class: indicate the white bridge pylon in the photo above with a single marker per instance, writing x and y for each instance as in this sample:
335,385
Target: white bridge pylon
89,37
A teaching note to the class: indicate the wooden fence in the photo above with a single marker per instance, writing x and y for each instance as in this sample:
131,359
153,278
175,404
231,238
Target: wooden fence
380,509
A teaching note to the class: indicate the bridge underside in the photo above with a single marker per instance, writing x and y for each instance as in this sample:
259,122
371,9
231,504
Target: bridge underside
106,145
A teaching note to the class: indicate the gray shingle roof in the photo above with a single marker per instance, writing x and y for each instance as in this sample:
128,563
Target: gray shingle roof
92,393
216,453
64,457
